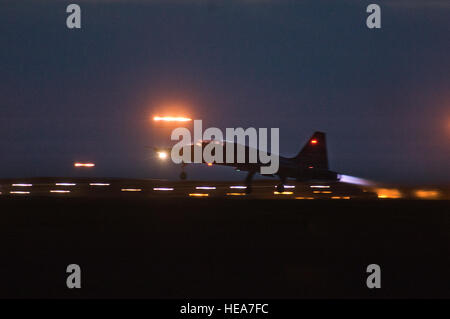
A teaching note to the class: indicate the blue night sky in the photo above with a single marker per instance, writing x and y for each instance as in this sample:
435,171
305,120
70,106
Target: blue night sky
382,96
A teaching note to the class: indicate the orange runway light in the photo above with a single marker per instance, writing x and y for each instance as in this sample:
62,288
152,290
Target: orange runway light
283,193
388,193
427,194
84,164
198,195
236,194
131,190
171,119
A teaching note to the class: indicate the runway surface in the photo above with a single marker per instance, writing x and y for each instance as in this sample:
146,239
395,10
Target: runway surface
261,189
140,239
221,248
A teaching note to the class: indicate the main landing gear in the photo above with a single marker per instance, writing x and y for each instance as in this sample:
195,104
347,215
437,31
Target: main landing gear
248,182
280,187
183,174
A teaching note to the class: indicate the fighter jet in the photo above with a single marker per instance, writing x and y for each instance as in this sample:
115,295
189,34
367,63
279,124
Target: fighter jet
309,165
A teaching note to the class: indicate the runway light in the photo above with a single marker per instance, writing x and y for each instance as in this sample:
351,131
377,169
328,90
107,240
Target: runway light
319,186
283,193
171,119
163,189
336,197
238,187
99,184
162,155
84,164
22,185
19,192
236,194
287,186
59,191
388,193
198,195
205,187
131,190
427,194
65,184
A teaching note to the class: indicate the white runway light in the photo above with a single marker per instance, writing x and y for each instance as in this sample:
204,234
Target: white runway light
19,192
65,184
205,187
22,185
163,189
59,191
99,184
319,186
238,187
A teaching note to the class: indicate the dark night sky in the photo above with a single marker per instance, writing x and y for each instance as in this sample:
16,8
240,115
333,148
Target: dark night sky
382,96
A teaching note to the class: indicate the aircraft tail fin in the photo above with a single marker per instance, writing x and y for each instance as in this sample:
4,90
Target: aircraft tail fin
314,153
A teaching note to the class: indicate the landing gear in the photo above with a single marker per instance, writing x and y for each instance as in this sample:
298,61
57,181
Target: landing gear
183,174
280,188
248,182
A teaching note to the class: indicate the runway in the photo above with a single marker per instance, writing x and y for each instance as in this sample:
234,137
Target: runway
261,189
152,238
184,247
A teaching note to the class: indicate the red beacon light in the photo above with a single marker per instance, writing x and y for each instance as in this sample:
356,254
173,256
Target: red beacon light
314,141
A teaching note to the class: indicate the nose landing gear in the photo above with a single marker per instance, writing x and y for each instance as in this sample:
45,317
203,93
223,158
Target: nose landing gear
280,188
